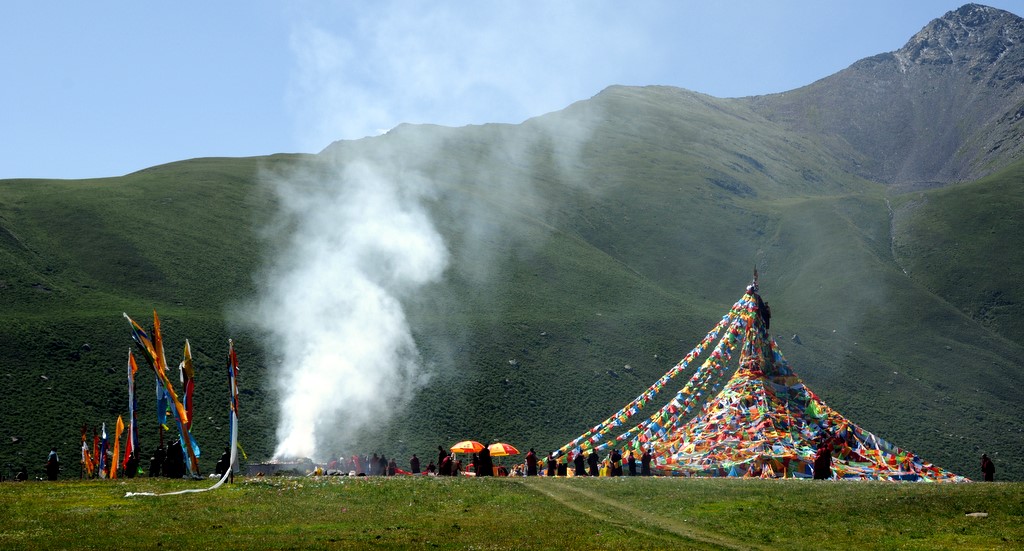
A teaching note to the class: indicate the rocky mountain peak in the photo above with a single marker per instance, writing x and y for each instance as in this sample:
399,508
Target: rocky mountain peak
970,35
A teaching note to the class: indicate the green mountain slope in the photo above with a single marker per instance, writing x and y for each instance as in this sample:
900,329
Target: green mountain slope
590,249
959,242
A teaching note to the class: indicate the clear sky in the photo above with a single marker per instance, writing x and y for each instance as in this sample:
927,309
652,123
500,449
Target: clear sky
104,88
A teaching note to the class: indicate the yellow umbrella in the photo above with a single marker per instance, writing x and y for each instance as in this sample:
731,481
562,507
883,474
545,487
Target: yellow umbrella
500,449
467,446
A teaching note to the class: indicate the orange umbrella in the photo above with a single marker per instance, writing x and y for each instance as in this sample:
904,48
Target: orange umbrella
467,446
499,449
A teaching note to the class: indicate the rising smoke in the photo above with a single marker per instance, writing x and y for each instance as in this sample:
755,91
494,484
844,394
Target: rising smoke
358,243
354,240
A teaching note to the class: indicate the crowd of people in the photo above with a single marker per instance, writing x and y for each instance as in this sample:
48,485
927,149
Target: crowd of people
481,463
170,463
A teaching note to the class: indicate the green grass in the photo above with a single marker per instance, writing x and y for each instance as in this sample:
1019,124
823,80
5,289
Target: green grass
540,513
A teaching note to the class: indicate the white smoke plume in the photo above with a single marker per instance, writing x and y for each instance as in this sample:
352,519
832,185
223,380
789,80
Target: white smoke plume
358,242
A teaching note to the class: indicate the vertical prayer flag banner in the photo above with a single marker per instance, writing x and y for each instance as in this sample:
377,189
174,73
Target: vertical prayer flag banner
95,449
132,444
233,403
154,347
187,373
118,429
87,466
233,420
162,403
103,452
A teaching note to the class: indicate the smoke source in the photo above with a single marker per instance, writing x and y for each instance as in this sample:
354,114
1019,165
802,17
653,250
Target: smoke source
357,241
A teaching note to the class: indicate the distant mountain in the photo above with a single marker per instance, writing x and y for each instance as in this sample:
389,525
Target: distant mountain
946,107
588,250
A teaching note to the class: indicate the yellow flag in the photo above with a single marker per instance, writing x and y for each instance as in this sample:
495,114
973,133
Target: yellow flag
117,447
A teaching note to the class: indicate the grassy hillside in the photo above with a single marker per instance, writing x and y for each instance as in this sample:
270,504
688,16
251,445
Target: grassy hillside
612,234
960,243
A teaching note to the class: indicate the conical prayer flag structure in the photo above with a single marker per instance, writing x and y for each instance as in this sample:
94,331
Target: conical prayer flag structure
763,422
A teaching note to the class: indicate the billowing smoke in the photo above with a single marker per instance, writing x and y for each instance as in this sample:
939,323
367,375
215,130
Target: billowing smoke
353,240
357,242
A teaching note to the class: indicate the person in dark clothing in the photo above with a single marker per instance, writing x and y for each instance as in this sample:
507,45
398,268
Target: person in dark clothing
414,464
552,465
441,454
131,468
531,463
631,461
431,468
616,459
392,467
593,460
486,463
645,463
223,464
52,465
174,465
382,465
580,463
156,462
823,461
764,311
988,468
445,469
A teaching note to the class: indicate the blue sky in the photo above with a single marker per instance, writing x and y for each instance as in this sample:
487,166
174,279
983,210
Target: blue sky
104,88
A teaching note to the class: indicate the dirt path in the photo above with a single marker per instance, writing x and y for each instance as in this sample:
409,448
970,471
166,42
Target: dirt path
594,504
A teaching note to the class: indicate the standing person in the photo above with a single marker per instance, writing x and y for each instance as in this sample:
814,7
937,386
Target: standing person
156,462
174,465
486,463
531,463
988,468
52,465
414,464
616,466
445,468
580,463
593,460
645,463
222,465
131,468
441,454
392,467
631,461
382,465
823,461
552,465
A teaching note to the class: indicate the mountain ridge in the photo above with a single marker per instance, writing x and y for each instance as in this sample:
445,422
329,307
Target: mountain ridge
943,108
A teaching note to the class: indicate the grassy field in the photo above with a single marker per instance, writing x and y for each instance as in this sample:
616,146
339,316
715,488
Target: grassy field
512,513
